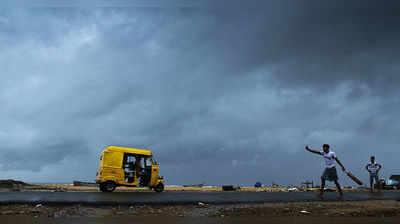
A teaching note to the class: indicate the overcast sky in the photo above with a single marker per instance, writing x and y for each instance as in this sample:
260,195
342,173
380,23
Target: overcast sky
225,93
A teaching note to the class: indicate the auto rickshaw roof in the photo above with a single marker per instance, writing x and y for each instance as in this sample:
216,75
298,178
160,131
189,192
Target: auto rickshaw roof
129,150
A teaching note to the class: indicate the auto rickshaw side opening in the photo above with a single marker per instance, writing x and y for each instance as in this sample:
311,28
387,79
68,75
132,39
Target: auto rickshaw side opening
128,167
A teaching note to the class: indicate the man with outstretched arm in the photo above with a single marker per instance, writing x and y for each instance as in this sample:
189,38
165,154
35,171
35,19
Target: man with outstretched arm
373,169
330,173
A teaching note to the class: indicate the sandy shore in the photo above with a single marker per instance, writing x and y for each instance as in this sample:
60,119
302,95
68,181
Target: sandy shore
14,185
67,187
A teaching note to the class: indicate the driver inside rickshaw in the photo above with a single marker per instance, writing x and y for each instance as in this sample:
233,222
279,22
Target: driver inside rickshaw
138,166
129,169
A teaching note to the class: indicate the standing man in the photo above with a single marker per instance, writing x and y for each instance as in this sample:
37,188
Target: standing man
373,169
330,173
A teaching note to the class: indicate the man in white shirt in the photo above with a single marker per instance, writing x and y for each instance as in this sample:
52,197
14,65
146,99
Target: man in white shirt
373,169
330,173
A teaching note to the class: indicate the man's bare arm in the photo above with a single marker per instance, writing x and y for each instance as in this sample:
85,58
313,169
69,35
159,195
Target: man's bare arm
311,150
338,161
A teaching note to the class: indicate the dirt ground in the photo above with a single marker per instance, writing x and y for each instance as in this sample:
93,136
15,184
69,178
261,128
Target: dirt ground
300,209
199,220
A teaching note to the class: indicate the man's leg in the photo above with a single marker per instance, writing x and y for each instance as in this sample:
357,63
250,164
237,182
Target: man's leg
339,188
321,193
371,183
378,183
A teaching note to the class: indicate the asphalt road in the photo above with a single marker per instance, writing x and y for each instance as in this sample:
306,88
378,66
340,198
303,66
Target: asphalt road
179,198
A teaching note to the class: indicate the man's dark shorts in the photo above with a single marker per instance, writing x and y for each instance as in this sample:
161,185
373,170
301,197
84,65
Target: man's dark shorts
330,174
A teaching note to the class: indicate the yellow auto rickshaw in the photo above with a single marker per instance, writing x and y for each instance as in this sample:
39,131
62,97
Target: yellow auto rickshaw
120,166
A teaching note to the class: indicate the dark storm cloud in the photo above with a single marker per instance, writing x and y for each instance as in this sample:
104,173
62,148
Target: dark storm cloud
345,42
221,93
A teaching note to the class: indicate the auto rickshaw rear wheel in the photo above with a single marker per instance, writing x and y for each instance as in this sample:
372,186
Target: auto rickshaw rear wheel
159,187
108,186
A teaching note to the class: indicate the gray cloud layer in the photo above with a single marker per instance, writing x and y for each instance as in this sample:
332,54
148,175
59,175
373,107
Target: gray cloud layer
222,94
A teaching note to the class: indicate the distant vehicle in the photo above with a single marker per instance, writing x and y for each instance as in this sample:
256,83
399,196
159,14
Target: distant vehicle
392,183
129,167
195,185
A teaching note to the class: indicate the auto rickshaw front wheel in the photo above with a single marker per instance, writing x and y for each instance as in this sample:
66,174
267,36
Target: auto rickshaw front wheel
108,186
159,187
